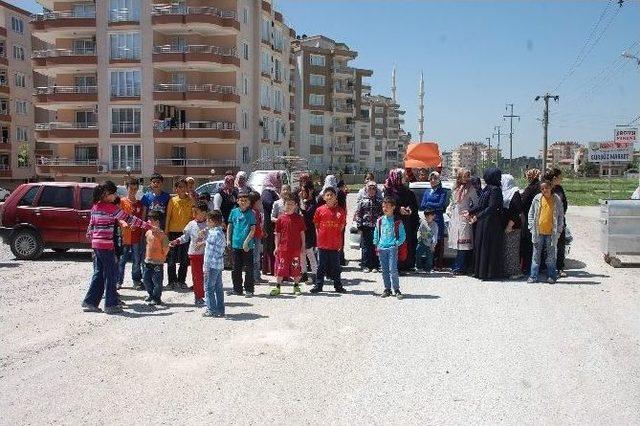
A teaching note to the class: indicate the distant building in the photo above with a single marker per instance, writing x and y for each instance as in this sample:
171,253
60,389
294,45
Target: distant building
474,156
562,154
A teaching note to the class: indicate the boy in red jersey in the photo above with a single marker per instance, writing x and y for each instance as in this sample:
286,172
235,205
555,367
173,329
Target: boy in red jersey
330,219
290,246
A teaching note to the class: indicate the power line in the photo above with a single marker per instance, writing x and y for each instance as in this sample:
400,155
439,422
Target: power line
510,117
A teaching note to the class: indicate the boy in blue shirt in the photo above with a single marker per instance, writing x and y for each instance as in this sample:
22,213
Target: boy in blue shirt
240,230
388,235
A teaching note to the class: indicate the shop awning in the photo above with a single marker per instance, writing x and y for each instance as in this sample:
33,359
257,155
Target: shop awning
422,155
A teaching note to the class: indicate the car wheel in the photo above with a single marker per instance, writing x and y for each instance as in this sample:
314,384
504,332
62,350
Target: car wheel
61,250
26,244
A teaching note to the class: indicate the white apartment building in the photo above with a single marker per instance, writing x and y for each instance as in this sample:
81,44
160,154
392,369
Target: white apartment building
387,142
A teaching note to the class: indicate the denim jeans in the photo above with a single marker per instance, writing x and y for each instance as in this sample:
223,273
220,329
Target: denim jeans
104,279
368,250
213,291
177,256
424,257
242,260
329,265
460,264
389,265
134,253
257,251
153,276
544,243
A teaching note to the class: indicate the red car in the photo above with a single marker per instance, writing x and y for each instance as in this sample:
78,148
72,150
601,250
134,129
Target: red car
44,215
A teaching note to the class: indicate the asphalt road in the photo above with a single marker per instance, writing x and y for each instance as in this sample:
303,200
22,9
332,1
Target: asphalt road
455,351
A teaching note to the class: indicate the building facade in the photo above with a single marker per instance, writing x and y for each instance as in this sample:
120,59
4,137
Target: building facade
562,153
328,104
17,143
386,145
180,88
473,156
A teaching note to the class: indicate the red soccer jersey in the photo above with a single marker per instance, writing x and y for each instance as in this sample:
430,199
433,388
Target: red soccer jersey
330,221
288,228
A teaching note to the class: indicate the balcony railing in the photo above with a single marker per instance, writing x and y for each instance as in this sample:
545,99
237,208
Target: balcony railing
165,125
5,167
51,90
61,125
124,15
343,128
213,88
194,162
68,14
133,164
344,90
179,9
56,53
66,162
343,70
196,48
125,127
4,111
343,108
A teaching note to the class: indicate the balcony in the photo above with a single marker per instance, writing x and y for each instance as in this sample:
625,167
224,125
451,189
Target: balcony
343,128
58,132
344,149
196,57
5,170
197,131
192,166
56,97
125,129
342,92
206,20
343,109
64,24
4,115
205,95
342,70
66,166
4,87
64,61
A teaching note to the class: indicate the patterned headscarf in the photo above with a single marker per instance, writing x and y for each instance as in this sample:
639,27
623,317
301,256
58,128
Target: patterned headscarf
241,175
228,183
330,182
273,181
303,179
509,189
532,175
393,185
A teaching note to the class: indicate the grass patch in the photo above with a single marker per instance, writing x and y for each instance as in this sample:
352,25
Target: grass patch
588,191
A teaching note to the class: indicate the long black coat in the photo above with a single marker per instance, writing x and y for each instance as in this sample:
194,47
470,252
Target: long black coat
489,234
526,247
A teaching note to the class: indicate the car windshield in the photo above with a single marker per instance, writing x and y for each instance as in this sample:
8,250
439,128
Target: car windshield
257,178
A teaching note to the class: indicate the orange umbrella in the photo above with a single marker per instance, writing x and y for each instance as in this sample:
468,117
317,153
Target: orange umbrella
422,155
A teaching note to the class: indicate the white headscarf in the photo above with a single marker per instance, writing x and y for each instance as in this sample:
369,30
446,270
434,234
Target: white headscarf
509,188
330,182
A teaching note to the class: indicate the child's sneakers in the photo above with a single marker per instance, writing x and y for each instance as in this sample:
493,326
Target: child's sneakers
199,301
531,280
399,295
90,308
386,293
296,290
275,291
366,270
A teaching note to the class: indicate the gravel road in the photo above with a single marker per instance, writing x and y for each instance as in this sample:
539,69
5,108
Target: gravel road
456,350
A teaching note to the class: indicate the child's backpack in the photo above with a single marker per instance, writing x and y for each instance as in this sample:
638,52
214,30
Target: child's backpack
403,251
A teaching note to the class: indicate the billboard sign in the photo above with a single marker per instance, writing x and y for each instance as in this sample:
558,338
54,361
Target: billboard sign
619,150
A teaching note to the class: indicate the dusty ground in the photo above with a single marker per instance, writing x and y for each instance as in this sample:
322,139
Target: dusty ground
456,350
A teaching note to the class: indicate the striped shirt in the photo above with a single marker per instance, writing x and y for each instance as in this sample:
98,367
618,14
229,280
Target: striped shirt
191,235
104,217
214,249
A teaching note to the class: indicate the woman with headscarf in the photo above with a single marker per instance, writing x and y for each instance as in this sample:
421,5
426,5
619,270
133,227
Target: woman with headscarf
303,180
512,223
488,238
226,197
241,183
435,199
272,185
407,211
368,177
331,181
529,193
460,230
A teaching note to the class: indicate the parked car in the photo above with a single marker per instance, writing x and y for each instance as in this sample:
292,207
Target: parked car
418,189
4,194
210,187
46,215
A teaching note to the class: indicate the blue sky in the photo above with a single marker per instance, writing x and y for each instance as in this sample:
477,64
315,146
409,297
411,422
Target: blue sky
477,56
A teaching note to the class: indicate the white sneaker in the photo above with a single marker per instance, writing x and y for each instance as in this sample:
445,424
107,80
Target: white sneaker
366,270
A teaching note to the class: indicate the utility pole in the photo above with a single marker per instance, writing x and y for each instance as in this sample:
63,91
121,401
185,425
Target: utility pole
498,146
489,151
510,117
545,124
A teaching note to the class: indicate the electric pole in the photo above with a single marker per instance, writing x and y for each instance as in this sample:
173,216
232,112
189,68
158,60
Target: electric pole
510,117
545,124
489,151
498,146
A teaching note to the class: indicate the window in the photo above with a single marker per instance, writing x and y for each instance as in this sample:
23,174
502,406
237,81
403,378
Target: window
316,60
86,153
245,120
264,95
265,127
316,160
245,84
84,10
21,107
84,47
279,128
245,50
316,120
4,106
56,196
86,119
316,80
87,82
3,50
125,83
3,77
277,65
278,100
379,120
245,155
86,198
18,52
125,46
17,25
317,140
124,10
21,134
245,16
379,110
27,199
265,63
278,40
20,80
125,155
125,120
316,100
265,29
378,132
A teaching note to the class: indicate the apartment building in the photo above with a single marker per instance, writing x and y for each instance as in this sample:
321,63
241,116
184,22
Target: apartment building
17,143
328,104
386,146
562,152
474,156
177,87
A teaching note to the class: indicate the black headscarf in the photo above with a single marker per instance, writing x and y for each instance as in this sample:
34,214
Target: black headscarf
476,183
493,176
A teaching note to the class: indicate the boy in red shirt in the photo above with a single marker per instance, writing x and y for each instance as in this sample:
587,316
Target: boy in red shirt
330,219
290,246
